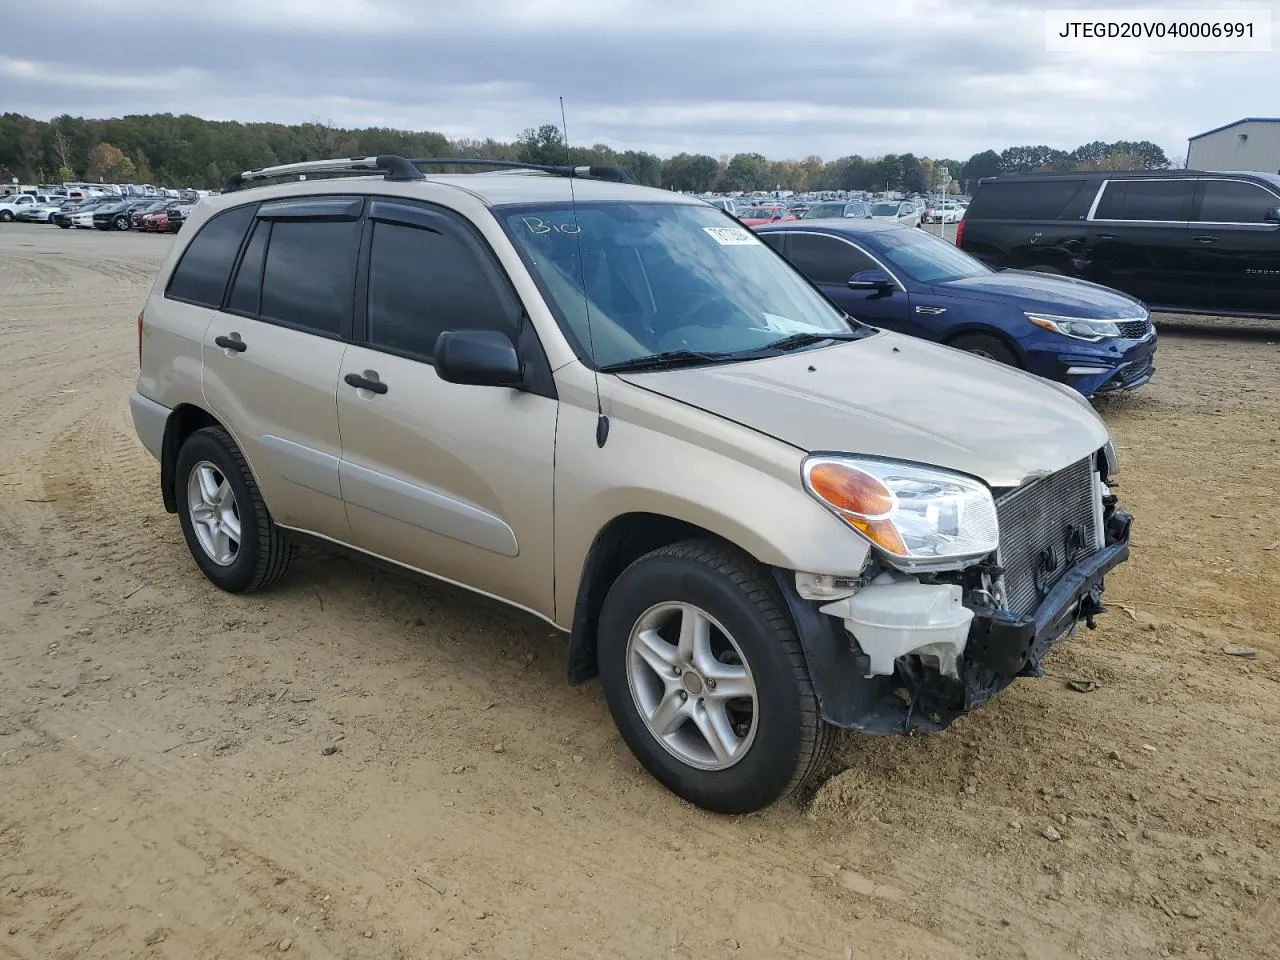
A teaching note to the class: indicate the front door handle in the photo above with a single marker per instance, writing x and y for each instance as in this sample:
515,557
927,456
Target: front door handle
1206,239
232,342
364,383
1106,236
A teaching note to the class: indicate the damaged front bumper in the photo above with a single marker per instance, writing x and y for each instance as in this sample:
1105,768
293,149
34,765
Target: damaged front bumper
999,648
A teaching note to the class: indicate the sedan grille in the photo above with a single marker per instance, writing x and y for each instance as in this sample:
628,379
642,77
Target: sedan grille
1045,528
1133,329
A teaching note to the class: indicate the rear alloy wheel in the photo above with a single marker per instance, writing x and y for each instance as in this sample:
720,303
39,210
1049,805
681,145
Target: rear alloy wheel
121,222
705,678
984,345
228,529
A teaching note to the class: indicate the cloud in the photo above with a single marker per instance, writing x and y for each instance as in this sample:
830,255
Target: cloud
825,77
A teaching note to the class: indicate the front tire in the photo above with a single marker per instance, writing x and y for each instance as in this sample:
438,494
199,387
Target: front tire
121,222
985,345
706,680
6,216
228,529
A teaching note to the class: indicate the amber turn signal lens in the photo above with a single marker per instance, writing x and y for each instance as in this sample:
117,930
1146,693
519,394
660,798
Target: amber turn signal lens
850,490
880,532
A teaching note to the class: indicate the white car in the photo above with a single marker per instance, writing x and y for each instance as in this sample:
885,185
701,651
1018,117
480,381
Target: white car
83,220
15,203
896,211
947,212
40,212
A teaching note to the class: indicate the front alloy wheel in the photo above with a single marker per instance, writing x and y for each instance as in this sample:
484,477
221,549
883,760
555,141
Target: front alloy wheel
706,679
691,686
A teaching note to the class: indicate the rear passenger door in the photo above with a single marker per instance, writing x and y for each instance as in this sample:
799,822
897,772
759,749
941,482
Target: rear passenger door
453,480
1234,250
1137,239
272,355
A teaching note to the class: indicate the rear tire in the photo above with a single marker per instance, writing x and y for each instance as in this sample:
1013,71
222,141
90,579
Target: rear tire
228,529
759,746
121,222
985,345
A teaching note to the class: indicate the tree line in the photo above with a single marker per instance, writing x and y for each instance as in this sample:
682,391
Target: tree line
187,151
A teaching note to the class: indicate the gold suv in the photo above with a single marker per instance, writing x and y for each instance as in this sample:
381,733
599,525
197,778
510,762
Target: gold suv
615,408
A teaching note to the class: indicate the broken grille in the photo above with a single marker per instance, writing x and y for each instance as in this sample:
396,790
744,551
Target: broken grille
1045,528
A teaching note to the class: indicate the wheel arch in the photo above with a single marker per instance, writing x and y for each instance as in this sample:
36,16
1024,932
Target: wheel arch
185,420
986,330
623,540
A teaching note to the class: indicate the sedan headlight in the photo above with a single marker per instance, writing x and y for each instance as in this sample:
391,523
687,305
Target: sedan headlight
914,514
1074,327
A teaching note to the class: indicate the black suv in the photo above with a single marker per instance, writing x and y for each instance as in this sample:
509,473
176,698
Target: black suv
1182,240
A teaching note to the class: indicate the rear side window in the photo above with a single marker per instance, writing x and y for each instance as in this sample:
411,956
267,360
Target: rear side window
826,259
309,274
202,273
1234,201
1023,199
248,283
1158,200
423,282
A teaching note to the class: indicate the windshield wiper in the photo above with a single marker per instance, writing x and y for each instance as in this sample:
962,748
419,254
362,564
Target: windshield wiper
667,360
808,338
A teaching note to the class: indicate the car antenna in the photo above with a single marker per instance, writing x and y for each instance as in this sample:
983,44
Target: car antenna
602,422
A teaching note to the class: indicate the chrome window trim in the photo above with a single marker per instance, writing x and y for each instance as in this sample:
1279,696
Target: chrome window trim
867,253
1264,224
1106,183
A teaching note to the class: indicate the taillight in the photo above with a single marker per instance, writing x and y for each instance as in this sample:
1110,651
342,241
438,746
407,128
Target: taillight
960,233
140,313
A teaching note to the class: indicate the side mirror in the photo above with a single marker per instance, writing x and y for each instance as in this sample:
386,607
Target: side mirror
870,280
482,358
1272,215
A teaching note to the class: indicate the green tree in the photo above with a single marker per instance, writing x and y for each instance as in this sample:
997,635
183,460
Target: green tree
643,168
689,172
748,171
545,145
980,165
142,166
108,164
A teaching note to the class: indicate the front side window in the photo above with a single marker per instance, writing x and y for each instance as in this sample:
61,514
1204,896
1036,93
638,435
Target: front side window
423,282
1234,201
1166,201
826,259
637,279
309,274
202,273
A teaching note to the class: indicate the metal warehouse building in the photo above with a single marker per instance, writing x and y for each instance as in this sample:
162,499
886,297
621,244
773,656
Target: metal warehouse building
1249,144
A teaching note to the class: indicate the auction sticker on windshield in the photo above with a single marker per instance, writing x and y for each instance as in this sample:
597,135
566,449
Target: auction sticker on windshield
730,236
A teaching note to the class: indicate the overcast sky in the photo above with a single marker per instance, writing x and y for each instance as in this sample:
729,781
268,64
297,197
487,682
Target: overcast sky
787,79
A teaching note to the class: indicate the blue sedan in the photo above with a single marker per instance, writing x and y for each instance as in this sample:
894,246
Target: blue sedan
1094,338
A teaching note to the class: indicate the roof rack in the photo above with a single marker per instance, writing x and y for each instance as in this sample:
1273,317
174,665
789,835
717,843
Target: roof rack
394,167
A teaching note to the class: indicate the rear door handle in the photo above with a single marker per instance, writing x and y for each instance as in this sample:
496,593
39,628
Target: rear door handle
232,342
1206,239
364,383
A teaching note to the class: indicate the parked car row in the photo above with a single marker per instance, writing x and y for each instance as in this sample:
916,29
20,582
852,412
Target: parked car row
103,213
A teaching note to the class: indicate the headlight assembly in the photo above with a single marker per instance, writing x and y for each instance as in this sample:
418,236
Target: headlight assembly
1074,327
916,515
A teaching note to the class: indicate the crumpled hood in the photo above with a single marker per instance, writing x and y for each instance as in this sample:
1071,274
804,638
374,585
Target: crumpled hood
901,398
1047,293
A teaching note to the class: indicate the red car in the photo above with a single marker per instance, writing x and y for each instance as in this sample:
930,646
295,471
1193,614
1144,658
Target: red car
754,216
157,222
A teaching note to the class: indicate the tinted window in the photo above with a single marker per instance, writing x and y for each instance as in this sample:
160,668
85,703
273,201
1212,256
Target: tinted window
1233,201
1023,199
1166,200
773,239
826,259
309,273
248,282
421,283
205,266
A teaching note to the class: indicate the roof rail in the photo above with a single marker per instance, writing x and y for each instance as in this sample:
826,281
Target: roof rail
399,168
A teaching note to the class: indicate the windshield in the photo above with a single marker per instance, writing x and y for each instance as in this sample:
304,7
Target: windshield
820,210
757,212
855,209
884,209
660,277
927,259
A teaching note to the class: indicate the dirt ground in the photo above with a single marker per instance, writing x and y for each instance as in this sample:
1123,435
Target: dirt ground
167,788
